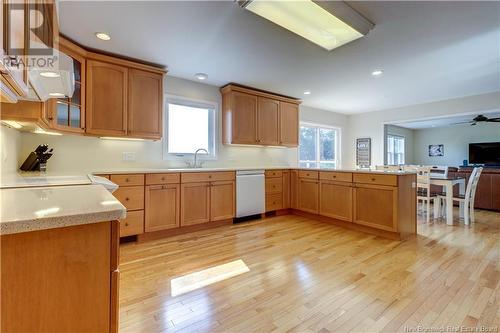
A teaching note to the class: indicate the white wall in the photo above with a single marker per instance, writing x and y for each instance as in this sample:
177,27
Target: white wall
456,141
408,134
84,154
372,124
10,145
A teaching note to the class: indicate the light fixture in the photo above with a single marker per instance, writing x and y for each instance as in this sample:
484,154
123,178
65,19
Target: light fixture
377,72
56,94
120,139
307,92
42,131
328,24
201,76
102,36
50,74
12,123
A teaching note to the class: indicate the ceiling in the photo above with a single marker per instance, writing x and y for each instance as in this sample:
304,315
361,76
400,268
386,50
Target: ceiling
449,121
429,51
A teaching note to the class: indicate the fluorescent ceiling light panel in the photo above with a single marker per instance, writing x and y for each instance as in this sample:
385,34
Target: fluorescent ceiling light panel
314,20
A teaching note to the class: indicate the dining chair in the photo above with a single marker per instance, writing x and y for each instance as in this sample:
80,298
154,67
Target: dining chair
424,194
468,198
439,171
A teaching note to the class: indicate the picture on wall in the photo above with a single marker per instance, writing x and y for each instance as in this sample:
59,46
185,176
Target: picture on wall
363,152
436,150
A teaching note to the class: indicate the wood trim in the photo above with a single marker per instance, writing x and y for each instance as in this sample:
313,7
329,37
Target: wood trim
231,87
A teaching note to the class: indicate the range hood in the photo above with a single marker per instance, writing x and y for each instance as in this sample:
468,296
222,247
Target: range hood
55,81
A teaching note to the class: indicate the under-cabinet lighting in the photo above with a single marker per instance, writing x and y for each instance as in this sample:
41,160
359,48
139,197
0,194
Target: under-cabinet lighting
200,279
328,24
42,131
120,139
12,123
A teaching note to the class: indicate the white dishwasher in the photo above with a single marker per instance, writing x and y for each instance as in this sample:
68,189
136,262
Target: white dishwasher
250,192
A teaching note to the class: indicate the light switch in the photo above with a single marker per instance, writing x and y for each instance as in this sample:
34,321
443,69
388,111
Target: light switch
128,156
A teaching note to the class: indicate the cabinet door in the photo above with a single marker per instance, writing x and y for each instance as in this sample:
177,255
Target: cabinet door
222,201
267,121
308,195
244,118
289,124
145,104
106,99
376,206
195,203
335,200
495,192
294,189
162,207
286,189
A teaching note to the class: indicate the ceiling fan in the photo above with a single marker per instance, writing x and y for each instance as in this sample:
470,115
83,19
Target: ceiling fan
480,119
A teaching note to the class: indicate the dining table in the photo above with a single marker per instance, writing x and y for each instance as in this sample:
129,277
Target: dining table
448,183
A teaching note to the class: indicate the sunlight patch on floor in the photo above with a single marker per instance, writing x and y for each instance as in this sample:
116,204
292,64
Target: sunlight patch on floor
196,280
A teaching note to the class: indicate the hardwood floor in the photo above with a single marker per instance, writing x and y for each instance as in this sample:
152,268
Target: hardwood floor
308,276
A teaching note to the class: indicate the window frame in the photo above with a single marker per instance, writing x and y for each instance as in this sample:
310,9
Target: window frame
213,130
395,136
338,138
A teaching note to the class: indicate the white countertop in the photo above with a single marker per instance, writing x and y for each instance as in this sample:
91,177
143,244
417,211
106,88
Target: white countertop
39,208
37,179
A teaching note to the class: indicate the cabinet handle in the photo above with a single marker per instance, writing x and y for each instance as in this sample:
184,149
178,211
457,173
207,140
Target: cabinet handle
334,176
210,176
127,199
373,179
127,180
162,178
126,224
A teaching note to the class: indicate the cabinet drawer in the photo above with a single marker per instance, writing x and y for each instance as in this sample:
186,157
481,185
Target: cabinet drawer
131,197
274,202
308,174
274,185
273,173
193,177
336,176
128,180
162,178
378,179
133,224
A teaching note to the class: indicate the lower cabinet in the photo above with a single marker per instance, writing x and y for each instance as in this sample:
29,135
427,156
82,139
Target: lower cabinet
286,189
308,200
133,224
335,200
162,205
222,200
376,206
294,189
195,203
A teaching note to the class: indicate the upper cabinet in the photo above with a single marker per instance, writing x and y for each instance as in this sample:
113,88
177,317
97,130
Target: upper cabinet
106,99
145,104
253,117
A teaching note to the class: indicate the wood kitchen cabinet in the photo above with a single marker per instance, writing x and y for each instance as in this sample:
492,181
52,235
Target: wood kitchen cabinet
195,203
294,189
289,124
267,121
222,200
335,200
162,207
106,99
376,206
145,104
286,189
254,117
308,199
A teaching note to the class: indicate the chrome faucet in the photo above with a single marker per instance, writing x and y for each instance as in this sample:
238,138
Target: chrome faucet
195,164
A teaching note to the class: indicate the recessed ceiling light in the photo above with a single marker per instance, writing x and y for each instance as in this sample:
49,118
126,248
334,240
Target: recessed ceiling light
102,36
377,72
49,74
201,76
307,92
56,94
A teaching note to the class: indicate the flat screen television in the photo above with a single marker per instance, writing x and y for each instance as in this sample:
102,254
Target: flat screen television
487,153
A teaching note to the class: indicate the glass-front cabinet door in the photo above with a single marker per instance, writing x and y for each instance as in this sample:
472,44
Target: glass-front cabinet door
68,113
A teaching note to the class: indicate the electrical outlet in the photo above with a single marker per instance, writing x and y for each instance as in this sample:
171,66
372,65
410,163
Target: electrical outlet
128,156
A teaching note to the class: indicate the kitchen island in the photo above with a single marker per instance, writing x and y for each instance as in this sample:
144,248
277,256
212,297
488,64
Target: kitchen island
59,259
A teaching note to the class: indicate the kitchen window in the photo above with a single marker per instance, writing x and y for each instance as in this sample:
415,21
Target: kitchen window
395,150
318,147
189,125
